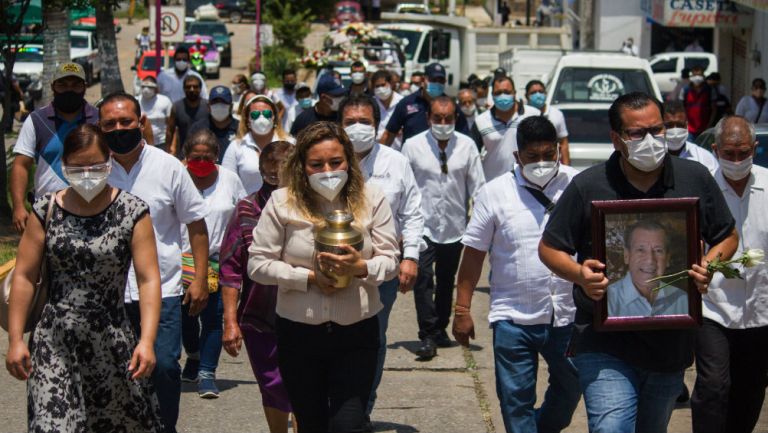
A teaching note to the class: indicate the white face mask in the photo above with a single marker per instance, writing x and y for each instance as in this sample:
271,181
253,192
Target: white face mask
329,183
220,111
236,90
383,92
258,83
181,65
363,136
415,88
540,173
736,170
405,92
336,102
148,92
468,111
646,154
358,77
676,138
88,184
443,132
697,79
261,126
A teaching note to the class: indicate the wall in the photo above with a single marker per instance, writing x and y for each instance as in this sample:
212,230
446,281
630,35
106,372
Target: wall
616,20
759,41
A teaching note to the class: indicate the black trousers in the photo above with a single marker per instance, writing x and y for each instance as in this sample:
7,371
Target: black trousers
328,371
731,368
433,292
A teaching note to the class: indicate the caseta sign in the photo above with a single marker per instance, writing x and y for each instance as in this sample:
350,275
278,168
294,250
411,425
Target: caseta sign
699,13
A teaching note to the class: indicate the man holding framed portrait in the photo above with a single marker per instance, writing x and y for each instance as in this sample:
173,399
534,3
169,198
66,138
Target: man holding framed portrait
630,379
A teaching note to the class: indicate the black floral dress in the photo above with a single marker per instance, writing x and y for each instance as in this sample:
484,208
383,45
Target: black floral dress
83,344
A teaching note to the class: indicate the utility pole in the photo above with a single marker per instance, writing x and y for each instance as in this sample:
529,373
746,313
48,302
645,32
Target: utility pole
587,27
528,12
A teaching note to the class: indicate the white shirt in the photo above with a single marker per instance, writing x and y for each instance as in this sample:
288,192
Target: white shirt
508,221
558,120
391,172
386,113
288,99
624,300
500,141
290,116
157,110
242,157
736,303
445,197
694,152
163,183
749,108
220,199
172,86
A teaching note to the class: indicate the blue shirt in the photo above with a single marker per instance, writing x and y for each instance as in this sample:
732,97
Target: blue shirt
412,116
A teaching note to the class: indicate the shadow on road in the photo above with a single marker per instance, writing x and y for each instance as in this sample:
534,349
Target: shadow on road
222,384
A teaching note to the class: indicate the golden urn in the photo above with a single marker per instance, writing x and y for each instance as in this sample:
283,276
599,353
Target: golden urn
338,231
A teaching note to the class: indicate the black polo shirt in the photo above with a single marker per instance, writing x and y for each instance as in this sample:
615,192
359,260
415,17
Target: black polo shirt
569,229
412,116
224,135
308,117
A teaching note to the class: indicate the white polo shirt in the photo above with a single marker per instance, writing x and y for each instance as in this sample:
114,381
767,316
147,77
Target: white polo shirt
558,120
508,221
694,152
162,181
172,86
391,171
242,157
157,110
445,197
500,141
735,303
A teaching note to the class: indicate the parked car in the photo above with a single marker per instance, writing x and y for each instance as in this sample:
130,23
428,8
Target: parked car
346,12
29,65
236,10
218,31
667,67
412,8
706,138
146,67
84,49
210,53
583,87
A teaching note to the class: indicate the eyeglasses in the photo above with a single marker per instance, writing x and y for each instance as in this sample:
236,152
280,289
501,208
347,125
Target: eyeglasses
443,162
640,133
86,169
255,114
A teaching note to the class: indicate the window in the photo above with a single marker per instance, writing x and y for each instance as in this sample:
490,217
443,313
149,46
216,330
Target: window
78,41
410,41
599,84
587,126
690,62
664,66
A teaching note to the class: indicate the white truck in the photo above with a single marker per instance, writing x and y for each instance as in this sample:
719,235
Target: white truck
84,49
526,64
462,48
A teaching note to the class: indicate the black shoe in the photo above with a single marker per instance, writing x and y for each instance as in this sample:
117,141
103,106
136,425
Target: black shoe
684,395
427,349
443,340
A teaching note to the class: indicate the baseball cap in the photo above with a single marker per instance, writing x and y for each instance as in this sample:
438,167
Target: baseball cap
499,72
221,92
302,86
69,70
330,85
434,70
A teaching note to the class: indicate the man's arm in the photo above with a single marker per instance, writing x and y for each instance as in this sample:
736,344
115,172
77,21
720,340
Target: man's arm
197,293
22,164
469,274
387,138
565,151
170,132
588,275
725,249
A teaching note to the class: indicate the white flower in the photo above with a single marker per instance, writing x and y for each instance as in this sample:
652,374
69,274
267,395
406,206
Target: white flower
753,257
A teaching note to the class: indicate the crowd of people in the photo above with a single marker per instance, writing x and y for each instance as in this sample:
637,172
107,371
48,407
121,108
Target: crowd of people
187,218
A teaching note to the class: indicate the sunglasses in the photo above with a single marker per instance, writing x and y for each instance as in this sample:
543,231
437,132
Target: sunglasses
443,162
256,114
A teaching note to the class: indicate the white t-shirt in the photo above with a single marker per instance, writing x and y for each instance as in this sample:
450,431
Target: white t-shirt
221,200
558,120
172,86
500,158
242,157
508,221
290,116
386,114
694,152
163,183
288,99
157,110
748,107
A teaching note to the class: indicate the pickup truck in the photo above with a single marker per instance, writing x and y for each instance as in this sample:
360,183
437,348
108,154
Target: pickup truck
667,67
84,49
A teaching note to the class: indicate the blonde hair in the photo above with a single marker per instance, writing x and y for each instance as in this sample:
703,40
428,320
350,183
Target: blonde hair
245,112
241,106
301,196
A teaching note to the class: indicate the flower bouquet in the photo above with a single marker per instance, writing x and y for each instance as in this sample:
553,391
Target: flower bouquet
748,259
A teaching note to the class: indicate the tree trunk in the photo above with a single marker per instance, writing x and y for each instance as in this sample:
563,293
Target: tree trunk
55,44
111,81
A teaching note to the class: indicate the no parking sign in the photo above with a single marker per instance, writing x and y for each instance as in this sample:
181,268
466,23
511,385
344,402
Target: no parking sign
171,23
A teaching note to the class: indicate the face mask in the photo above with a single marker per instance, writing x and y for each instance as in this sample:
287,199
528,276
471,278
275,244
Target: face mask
468,111
415,88
383,92
358,77
261,126
362,136
443,132
305,103
646,154
537,100
540,173
236,90
336,102
504,102
435,89
87,183
736,170
148,92
676,138
192,97
181,65
405,92
201,167
481,104
289,86
68,102
220,112
259,84
122,141
328,184
697,79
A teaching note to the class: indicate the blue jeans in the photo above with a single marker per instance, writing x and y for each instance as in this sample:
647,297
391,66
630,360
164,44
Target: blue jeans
516,350
625,399
167,374
388,295
203,334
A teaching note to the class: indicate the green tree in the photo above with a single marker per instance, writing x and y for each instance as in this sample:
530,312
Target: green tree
55,41
289,27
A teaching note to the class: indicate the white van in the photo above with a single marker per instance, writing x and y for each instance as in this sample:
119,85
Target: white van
667,67
583,87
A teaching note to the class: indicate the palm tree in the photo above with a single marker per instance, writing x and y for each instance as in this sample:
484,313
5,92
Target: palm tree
110,78
55,42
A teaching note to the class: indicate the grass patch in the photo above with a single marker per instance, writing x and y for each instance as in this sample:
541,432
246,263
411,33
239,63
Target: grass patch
7,251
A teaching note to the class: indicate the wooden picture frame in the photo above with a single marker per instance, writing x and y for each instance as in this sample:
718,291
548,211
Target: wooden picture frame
663,239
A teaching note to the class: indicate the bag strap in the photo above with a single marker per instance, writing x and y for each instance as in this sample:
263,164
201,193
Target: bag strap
760,111
49,212
539,196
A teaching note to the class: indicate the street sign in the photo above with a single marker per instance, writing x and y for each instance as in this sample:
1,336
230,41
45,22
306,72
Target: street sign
171,23
267,38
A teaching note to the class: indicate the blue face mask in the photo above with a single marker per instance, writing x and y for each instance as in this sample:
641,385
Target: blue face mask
504,102
305,103
537,99
435,89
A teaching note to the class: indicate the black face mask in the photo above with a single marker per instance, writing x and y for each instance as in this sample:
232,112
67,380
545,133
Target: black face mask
68,102
289,86
122,141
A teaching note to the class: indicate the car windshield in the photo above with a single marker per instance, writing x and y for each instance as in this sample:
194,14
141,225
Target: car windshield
587,126
346,9
31,55
149,63
411,36
215,29
208,44
78,42
599,84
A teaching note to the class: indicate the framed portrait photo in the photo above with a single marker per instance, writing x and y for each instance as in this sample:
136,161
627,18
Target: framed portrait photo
647,247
